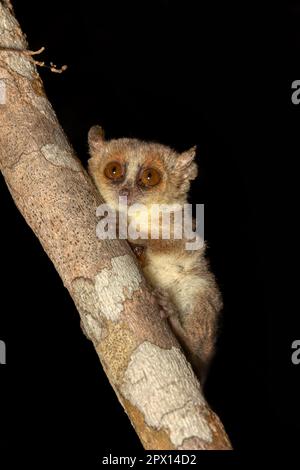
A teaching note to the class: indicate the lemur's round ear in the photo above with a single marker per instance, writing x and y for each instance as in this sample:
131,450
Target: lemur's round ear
185,163
186,158
96,138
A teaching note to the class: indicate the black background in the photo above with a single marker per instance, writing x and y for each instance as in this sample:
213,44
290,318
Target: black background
182,74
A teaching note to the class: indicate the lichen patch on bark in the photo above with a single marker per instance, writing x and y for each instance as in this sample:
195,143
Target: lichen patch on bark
161,384
151,438
20,64
102,301
60,157
9,26
116,284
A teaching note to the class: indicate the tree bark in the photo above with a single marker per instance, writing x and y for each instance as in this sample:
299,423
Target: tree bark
141,357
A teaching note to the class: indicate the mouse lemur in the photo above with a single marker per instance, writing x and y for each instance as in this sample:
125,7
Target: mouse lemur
150,173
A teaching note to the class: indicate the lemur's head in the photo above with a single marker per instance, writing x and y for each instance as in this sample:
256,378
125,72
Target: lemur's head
147,173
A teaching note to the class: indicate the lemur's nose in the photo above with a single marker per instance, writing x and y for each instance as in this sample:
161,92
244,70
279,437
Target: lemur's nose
124,191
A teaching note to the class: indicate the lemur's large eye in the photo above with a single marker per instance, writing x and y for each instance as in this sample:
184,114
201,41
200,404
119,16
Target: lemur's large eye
149,177
114,171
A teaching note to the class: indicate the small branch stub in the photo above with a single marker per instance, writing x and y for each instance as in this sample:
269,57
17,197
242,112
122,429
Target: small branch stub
52,67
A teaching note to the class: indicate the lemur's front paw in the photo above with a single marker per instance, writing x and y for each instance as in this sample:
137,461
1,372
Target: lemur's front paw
167,309
138,250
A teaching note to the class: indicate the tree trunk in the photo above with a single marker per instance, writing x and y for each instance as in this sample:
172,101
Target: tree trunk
139,353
